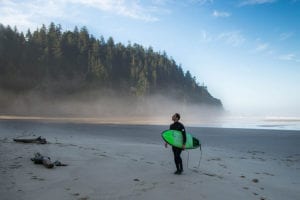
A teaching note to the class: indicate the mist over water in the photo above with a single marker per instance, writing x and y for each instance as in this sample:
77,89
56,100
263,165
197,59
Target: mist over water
105,106
259,122
110,107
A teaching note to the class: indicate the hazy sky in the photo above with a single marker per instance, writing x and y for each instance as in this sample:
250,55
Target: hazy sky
247,52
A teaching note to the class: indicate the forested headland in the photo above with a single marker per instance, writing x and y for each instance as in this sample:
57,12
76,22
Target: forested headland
64,64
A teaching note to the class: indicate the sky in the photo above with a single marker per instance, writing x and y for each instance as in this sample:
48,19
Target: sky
247,52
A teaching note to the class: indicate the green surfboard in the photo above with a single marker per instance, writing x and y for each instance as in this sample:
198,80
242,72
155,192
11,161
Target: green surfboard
174,138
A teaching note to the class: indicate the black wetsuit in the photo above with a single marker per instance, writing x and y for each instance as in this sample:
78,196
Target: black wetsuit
177,151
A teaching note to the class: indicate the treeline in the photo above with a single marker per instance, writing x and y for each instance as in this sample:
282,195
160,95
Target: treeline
68,62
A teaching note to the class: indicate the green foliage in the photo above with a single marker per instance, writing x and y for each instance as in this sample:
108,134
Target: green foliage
72,61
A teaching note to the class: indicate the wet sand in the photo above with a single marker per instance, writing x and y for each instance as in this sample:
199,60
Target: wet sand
130,162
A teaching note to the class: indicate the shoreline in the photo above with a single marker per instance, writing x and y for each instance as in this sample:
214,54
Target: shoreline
160,122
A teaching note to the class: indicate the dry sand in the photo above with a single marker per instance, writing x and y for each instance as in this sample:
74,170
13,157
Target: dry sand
130,162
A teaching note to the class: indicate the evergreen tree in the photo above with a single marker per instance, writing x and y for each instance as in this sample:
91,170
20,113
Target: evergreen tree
70,61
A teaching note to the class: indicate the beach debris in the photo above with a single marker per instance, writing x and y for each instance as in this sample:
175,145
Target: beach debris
39,159
46,161
38,140
58,163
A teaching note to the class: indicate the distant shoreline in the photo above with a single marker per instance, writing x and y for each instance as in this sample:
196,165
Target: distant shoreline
264,124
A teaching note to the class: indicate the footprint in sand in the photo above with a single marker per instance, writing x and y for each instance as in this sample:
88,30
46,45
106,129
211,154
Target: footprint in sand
268,174
100,155
147,186
15,166
255,193
255,180
222,165
214,159
83,198
213,175
36,178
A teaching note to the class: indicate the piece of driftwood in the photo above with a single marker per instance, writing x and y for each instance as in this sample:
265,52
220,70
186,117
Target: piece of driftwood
39,159
38,140
46,161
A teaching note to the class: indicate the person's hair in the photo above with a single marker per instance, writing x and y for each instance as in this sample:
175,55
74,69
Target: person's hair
177,115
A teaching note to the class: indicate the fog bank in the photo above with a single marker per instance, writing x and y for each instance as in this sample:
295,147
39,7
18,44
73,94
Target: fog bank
106,106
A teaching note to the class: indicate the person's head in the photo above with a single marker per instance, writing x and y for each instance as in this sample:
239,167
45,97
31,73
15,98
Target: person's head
176,117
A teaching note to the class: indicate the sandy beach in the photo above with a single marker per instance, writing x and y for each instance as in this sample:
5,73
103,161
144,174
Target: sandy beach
107,161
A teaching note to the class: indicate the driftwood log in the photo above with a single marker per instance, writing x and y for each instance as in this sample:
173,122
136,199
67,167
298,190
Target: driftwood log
46,161
39,159
38,140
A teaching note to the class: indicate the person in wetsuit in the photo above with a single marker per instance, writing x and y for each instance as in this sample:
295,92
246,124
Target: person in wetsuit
177,151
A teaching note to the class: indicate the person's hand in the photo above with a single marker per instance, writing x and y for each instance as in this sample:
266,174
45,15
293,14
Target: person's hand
183,147
166,145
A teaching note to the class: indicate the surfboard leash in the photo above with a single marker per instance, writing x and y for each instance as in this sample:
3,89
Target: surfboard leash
200,157
187,161
188,158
